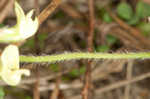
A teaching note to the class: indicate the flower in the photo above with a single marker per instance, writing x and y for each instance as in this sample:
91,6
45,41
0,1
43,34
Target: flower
25,27
9,66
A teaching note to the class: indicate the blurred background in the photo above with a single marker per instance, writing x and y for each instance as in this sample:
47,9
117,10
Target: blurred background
107,26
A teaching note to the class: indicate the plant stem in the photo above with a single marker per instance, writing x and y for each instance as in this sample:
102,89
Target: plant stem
78,55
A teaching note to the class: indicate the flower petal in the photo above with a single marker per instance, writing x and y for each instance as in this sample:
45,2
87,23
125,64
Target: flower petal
19,12
29,14
8,35
10,57
14,77
29,28
9,70
25,27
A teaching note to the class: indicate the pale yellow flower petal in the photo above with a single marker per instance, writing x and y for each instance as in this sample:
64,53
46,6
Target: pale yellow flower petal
24,28
13,77
27,27
10,57
9,66
19,13
29,14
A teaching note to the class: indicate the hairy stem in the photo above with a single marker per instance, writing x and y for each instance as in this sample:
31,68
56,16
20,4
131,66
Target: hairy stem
78,55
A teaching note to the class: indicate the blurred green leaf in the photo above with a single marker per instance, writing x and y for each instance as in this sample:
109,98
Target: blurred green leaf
82,70
2,93
58,15
142,9
54,67
1,25
134,20
124,10
65,78
145,28
74,73
77,71
102,48
107,18
111,39
28,97
100,12
41,38
29,43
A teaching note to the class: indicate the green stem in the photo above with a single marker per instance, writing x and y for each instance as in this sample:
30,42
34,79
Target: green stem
77,56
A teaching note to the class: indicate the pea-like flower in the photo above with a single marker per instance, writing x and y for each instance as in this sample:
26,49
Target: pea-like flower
10,71
24,28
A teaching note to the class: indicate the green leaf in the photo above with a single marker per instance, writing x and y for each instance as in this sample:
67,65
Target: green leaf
134,20
102,48
28,97
82,70
145,28
75,73
124,10
54,67
142,9
29,43
2,93
42,38
1,25
111,39
107,18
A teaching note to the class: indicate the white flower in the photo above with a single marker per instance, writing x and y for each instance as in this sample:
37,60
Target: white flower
25,27
9,66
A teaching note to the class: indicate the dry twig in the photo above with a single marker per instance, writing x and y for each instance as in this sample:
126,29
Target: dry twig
6,8
86,93
122,83
129,77
48,10
36,92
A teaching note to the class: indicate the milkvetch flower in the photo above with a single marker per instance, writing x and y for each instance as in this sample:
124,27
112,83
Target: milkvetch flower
10,71
24,28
